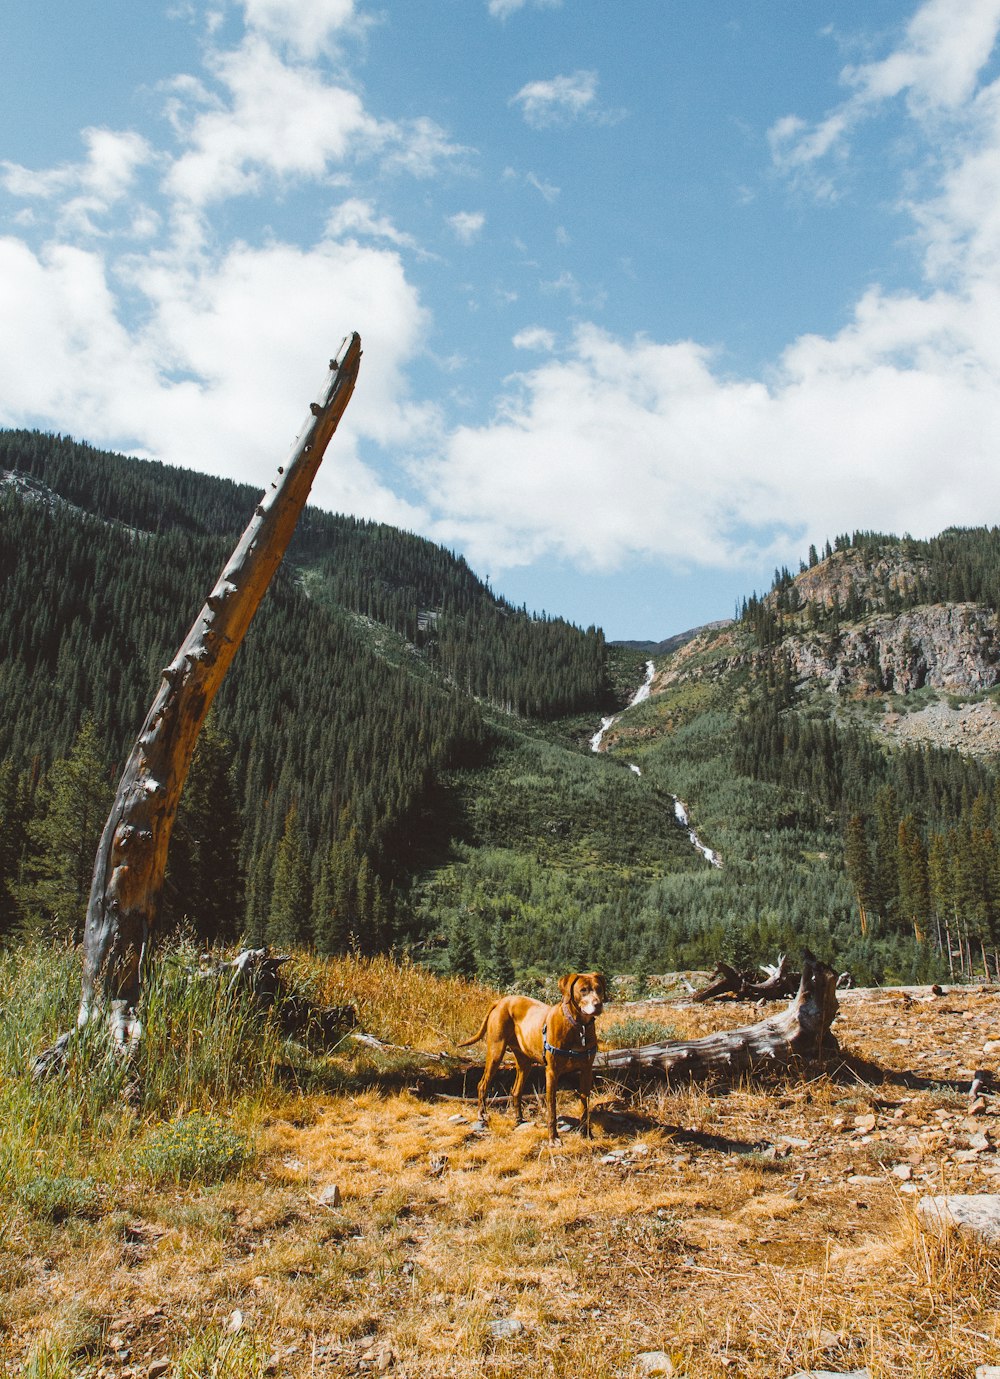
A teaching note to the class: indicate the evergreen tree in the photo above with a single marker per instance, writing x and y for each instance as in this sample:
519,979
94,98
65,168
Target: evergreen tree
288,916
461,952
205,877
14,818
76,799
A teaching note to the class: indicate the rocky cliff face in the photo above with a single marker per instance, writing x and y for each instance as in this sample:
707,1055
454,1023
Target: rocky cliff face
954,648
866,575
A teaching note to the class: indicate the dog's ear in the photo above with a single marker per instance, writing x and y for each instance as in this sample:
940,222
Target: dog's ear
566,985
600,982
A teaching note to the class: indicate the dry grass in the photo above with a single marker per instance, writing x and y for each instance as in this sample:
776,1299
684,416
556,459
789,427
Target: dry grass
747,1231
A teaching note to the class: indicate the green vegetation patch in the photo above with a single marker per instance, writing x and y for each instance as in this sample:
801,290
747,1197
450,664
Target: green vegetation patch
193,1148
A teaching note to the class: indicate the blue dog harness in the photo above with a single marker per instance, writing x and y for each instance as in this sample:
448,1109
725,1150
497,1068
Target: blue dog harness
585,1052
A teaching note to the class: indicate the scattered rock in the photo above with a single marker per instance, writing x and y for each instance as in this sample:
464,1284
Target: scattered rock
235,1322
652,1362
157,1368
988,1372
864,1124
903,1171
437,1164
458,1120
978,1212
330,1195
505,1328
832,1374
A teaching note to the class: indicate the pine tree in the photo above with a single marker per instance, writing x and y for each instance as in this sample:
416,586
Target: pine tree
77,797
205,880
461,953
14,818
288,917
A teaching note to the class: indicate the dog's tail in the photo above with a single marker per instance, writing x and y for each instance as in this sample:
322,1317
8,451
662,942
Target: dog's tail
482,1030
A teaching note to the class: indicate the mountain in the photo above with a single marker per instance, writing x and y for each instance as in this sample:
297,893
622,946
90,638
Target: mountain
400,759
673,643
839,744
379,676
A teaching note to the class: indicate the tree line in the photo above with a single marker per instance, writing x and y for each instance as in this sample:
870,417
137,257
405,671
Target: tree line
316,793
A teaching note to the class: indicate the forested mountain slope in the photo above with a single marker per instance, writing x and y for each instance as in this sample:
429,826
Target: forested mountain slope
338,733
399,758
840,742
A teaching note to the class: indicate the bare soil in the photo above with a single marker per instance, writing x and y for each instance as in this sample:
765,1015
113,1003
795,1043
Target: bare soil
753,1231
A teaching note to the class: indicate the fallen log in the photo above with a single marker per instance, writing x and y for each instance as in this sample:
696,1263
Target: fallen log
799,1033
727,981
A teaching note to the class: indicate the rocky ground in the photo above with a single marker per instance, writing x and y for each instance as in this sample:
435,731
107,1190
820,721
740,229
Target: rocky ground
757,1230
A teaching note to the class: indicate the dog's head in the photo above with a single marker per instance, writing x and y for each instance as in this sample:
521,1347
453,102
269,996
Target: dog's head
585,992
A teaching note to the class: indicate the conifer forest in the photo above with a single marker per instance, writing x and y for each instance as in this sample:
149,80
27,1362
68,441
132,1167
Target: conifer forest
400,760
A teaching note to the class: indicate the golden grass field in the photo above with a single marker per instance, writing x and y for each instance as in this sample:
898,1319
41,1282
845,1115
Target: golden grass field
749,1231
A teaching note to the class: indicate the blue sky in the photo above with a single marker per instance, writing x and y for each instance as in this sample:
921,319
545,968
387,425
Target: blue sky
651,296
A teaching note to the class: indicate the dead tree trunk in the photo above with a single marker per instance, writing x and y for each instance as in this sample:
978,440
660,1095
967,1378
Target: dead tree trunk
132,855
800,1032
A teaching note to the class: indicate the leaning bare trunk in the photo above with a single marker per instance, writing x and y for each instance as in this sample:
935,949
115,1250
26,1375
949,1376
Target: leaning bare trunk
798,1033
131,858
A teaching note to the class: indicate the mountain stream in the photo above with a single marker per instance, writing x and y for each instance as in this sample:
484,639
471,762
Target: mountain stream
680,809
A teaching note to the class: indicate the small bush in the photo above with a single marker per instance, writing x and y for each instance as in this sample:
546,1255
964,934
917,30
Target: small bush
55,1199
633,1032
193,1148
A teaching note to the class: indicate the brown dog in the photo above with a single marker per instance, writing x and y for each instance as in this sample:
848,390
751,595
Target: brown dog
561,1037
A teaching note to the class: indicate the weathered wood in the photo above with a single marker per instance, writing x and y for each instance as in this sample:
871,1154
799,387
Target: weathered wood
801,1032
727,981
131,858
724,981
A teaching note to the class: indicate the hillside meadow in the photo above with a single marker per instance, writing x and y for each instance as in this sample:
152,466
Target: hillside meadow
255,1206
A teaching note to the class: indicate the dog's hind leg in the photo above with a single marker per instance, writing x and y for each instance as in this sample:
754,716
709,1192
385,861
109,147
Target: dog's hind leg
523,1064
494,1057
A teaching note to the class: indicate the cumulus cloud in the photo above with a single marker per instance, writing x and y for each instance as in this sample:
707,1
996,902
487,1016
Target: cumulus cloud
467,225
624,448
88,190
207,354
559,101
535,338
308,29
935,67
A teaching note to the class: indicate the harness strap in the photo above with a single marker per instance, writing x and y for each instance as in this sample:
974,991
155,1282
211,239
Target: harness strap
585,1052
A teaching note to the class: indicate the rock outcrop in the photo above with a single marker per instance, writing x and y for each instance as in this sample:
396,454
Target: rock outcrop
954,648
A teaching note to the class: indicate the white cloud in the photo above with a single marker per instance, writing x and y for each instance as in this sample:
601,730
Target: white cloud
281,120
559,101
89,189
628,449
307,28
547,190
355,216
503,9
936,66
535,338
467,225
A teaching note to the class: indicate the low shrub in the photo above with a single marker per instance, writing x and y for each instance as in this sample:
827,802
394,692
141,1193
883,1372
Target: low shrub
193,1148
56,1199
633,1032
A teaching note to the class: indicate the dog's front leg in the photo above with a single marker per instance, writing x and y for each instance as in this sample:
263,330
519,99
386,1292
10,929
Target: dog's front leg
586,1082
551,1082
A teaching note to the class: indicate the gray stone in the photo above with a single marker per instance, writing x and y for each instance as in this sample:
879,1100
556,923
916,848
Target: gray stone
654,1362
978,1212
330,1195
988,1372
832,1374
505,1328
